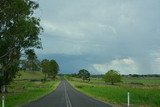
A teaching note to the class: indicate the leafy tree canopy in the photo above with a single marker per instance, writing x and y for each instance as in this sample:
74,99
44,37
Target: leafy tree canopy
112,76
50,68
19,32
32,63
84,74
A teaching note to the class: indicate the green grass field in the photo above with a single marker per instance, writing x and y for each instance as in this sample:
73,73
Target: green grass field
30,75
146,94
22,90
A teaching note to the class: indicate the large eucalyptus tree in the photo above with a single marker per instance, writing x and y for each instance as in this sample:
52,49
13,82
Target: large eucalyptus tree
19,31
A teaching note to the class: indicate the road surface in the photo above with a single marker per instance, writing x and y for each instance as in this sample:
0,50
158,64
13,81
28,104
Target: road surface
66,96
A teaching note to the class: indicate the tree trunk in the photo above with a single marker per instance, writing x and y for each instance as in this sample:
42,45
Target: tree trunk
112,83
5,90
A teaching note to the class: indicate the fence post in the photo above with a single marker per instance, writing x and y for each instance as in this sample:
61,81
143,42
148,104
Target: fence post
3,91
3,101
128,99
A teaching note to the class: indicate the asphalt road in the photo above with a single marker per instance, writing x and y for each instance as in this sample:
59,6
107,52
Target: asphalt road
66,96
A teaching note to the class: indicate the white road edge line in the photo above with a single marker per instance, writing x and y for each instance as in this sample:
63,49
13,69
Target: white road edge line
68,102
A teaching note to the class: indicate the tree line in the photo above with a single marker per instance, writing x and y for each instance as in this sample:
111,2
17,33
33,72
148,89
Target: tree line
49,67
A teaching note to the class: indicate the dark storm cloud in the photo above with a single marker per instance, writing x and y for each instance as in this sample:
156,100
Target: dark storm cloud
102,34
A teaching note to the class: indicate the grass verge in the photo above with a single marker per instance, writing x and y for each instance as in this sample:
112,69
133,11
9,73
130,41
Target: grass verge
24,91
117,95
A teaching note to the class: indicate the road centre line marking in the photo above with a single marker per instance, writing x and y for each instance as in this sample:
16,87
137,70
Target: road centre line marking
68,102
65,94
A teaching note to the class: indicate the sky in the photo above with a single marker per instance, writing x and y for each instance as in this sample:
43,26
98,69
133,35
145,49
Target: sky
99,35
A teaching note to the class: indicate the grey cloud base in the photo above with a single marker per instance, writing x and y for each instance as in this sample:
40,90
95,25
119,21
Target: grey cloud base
99,35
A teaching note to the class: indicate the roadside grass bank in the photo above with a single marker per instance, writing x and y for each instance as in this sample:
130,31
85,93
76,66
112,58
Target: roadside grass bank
140,95
23,90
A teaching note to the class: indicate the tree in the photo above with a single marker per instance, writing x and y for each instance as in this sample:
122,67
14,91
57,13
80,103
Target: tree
112,76
19,32
84,74
32,63
54,68
45,67
49,68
